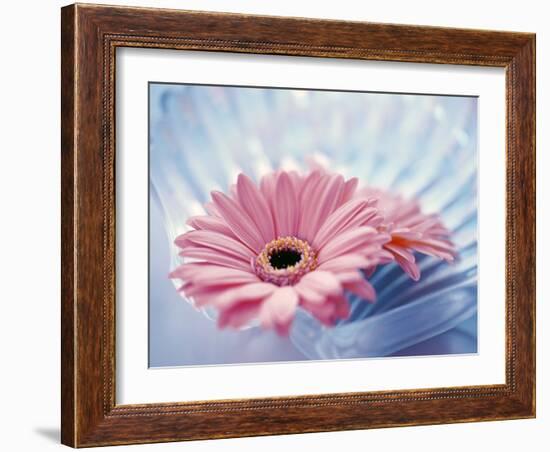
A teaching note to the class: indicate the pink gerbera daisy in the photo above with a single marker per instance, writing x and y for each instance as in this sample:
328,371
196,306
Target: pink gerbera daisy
294,240
410,230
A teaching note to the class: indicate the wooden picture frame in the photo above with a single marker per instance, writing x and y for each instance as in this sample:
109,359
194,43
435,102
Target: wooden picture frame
90,36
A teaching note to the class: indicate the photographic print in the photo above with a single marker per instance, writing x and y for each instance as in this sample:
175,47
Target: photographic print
298,224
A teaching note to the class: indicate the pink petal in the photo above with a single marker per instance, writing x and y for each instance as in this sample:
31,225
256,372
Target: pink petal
208,294
362,288
432,251
205,274
328,199
267,187
400,251
212,210
369,271
409,267
283,329
215,241
309,189
325,312
348,242
239,315
255,205
345,262
285,207
341,307
310,182
296,180
204,289
239,221
214,257
349,277
350,187
405,233
209,223
322,282
407,213
443,245
439,230
308,294
374,221
248,292
427,223
278,309
349,215
382,257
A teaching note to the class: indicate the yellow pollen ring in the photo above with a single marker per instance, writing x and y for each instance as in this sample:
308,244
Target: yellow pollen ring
291,274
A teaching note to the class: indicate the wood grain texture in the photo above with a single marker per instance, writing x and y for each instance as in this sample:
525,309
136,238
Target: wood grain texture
90,36
68,147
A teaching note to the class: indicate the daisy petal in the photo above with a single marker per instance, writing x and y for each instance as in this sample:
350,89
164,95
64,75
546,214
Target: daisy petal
409,267
255,205
215,241
239,315
324,203
350,187
212,210
213,257
324,312
278,309
322,282
344,263
267,186
284,205
209,223
309,295
308,190
248,292
205,274
238,220
362,288
347,242
348,277
208,294
432,251
400,251
341,307
351,214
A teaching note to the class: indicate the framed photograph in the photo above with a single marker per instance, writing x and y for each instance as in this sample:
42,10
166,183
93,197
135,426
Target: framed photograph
282,225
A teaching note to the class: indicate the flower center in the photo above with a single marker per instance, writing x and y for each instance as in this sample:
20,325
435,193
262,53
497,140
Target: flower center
285,258
284,261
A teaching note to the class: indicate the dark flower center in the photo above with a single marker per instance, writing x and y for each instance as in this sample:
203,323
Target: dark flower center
284,258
